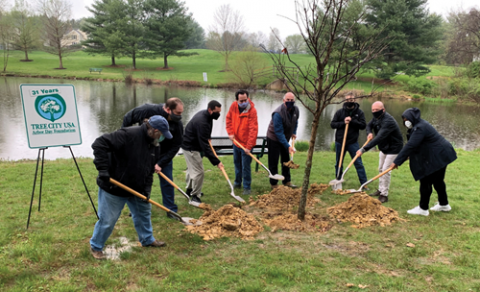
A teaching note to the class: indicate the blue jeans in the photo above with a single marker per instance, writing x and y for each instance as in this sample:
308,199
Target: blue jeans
352,149
168,191
109,209
243,169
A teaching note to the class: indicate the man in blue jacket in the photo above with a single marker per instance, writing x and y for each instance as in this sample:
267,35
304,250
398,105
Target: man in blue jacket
282,127
429,154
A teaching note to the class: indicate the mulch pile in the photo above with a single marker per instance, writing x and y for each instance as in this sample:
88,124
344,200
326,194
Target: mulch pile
227,221
285,198
291,165
363,211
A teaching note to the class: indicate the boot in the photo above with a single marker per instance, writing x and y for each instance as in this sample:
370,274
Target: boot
290,185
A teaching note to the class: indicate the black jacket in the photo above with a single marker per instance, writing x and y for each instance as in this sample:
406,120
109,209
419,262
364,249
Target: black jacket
197,133
169,147
387,134
428,150
129,157
356,124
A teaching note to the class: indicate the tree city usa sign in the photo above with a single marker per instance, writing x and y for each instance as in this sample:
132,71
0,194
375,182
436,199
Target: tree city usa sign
51,117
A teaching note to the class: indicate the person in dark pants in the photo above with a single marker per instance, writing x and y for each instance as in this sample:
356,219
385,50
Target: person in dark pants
282,127
352,115
128,156
429,154
172,111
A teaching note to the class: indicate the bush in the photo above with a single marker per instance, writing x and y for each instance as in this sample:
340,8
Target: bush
421,85
416,96
473,70
301,146
332,146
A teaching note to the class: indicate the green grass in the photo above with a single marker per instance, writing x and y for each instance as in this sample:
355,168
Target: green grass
183,68
53,254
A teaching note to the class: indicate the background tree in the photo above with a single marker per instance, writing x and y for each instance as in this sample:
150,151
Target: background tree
295,44
196,40
274,44
55,16
319,24
245,66
26,34
226,35
168,27
463,36
6,32
256,39
414,34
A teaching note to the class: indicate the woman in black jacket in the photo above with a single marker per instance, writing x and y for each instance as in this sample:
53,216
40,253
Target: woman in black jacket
429,154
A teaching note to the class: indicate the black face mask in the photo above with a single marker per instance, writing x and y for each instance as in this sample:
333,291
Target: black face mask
175,118
215,115
349,104
378,114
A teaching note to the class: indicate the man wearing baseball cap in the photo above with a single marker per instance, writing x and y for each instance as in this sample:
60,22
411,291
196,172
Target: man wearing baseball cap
128,156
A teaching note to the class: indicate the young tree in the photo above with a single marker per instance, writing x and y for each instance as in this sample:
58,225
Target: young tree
295,44
245,65
256,39
319,24
6,32
274,44
26,36
197,38
226,35
463,37
167,28
55,16
131,25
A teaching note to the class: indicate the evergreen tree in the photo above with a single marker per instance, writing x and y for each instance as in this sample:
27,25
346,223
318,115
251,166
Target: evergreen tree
131,26
197,37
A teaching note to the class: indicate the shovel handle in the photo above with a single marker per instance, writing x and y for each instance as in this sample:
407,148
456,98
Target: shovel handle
213,150
368,140
135,193
343,148
382,174
356,156
249,153
293,145
169,181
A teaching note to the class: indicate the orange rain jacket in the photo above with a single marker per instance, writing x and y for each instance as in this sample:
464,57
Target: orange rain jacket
244,126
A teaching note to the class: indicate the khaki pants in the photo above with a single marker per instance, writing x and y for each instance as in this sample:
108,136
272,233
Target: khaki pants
385,160
195,173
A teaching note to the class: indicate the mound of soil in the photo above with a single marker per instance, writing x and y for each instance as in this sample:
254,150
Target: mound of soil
312,222
363,211
341,192
285,198
291,165
226,221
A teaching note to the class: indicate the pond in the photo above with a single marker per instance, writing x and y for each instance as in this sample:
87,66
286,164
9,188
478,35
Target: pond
102,105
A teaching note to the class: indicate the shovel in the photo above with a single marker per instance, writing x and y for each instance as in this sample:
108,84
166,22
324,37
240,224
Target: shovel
290,163
337,183
190,202
277,176
184,220
362,186
226,176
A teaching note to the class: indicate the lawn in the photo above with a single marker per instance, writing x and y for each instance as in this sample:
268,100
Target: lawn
53,255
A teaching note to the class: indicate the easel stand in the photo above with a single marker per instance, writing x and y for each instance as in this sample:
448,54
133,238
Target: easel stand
42,150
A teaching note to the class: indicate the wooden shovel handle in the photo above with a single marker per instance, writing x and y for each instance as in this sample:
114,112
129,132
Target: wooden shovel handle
293,146
368,140
253,156
213,150
356,156
169,181
343,148
383,173
135,193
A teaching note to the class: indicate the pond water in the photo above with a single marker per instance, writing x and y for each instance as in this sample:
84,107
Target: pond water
102,105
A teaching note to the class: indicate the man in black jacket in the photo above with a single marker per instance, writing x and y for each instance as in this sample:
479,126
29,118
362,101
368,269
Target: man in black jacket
197,135
172,111
389,140
352,115
128,156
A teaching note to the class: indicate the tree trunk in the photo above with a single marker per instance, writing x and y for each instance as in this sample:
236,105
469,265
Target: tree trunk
26,54
226,62
61,62
134,61
165,62
308,163
113,60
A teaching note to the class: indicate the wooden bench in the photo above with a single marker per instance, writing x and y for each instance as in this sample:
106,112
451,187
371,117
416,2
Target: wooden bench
224,146
99,70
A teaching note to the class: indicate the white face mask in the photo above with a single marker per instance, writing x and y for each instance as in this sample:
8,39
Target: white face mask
408,124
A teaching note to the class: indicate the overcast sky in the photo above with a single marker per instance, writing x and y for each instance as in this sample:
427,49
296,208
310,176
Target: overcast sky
261,15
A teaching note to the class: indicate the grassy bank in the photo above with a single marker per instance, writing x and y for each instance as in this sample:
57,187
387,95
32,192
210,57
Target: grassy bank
53,254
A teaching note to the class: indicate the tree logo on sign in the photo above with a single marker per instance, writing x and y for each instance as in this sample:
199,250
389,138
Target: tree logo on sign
50,107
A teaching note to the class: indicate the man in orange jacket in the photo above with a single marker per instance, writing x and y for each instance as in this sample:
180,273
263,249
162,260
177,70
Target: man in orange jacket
242,125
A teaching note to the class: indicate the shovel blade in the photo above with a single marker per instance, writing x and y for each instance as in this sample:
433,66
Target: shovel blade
335,181
354,191
195,204
238,198
337,186
186,221
277,177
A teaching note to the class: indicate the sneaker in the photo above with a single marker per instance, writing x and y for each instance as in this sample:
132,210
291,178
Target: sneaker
97,254
201,195
383,199
246,192
290,185
418,211
235,186
375,194
188,192
169,215
195,199
156,243
439,207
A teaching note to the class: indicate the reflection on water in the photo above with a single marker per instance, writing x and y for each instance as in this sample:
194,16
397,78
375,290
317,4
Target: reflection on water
102,105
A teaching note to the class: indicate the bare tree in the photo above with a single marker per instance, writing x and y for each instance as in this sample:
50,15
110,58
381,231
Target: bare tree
257,38
464,37
26,31
55,16
295,44
227,32
319,22
6,31
246,65
274,42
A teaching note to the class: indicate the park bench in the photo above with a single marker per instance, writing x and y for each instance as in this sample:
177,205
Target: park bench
99,70
224,146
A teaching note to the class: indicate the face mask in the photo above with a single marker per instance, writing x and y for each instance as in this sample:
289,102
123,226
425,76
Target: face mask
175,118
377,114
408,124
161,138
349,104
289,104
215,115
243,104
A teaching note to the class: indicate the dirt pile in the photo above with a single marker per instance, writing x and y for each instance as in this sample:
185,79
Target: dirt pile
312,222
226,221
291,165
363,211
285,198
341,192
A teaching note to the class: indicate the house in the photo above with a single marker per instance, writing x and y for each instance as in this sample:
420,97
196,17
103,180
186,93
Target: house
74,37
